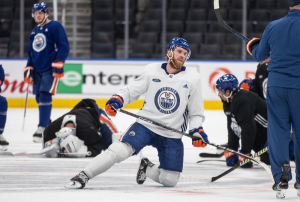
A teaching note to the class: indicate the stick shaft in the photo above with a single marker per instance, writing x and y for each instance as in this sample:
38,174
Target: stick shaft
182,133
25,106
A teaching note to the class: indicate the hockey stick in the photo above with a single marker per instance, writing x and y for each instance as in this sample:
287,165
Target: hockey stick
212,179
210,160
28,73
223,24
182,133
6,153
264,150
209,155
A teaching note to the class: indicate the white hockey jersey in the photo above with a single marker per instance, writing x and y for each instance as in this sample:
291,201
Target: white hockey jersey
174,100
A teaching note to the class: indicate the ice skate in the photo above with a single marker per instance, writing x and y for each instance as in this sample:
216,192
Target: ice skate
78,182
38,135
297,186
283,183
141,174
3,143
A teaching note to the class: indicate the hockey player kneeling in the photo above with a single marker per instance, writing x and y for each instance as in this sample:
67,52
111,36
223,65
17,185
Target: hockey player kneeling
84,131
177,102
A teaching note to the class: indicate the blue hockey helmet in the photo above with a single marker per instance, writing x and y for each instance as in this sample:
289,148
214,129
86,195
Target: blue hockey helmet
293,3
227,81
179,42
39,7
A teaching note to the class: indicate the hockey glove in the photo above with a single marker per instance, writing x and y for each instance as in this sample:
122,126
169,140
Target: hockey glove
247,165
28,74
199,137
51,148
246,84
231,158
251,44
117,102
58,69
72,144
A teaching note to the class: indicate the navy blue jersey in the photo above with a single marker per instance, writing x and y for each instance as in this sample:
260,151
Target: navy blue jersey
47,44
280,40
2,76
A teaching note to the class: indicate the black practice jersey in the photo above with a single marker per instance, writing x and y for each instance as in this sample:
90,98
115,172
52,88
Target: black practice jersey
261,80
88,128
248,122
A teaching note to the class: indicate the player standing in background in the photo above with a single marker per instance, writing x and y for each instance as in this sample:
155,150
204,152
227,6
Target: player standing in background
3,111
248,120
86,128
47,52
280,42
173,97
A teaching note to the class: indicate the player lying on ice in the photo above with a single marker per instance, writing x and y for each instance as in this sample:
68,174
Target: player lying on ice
173,97
84,131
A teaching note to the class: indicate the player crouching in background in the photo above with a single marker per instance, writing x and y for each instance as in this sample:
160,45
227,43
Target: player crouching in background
3,111
84,131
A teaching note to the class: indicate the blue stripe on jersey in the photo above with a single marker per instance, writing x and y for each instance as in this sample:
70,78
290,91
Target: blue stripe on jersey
185,122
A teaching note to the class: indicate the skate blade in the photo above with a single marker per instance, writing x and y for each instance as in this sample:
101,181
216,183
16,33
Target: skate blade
3,147
74,185
37,139
280,194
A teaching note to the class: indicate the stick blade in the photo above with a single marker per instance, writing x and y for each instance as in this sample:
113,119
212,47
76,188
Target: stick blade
201,179
6,153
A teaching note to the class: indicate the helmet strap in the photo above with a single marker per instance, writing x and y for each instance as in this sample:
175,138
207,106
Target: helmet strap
227,97
44,20
171,58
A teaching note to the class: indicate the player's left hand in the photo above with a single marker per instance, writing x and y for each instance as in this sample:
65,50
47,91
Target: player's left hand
247,165
116,102
199,137
251,44
58,69
246,84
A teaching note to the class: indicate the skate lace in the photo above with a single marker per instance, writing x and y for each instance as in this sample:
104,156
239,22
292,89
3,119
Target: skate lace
40,130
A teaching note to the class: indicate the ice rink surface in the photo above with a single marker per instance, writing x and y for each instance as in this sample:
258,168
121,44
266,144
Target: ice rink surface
33,178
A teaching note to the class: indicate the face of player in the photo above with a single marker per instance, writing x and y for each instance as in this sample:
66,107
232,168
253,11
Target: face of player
221,95
179,56
39,16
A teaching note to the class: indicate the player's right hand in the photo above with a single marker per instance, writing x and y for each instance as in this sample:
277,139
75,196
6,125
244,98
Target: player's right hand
28,74
231,158
247,165
246,84
116,102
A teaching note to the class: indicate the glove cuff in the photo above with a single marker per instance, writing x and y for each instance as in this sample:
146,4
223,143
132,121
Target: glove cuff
228,154
58,65
118,98
251,43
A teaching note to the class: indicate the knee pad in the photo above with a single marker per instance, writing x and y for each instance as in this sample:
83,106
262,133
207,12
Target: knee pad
169,178
45,98
120,151
3,104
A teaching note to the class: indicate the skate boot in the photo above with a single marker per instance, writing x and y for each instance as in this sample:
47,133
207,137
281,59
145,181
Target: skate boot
297,186
283,183
78,182
3,143
141,174
38,135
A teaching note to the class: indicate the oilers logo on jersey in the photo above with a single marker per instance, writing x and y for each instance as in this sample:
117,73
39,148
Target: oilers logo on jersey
167,100
39,42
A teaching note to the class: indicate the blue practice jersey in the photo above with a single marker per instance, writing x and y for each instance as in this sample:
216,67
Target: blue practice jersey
2,76
280,40
47,44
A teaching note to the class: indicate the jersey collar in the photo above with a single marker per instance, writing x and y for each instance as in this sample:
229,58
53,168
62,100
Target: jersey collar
164,66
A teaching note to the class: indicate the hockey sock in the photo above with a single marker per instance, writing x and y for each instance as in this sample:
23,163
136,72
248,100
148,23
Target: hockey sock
153,173
3,111
45,106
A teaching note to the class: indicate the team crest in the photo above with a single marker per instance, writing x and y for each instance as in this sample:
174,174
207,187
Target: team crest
167,100
132,133
39,42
